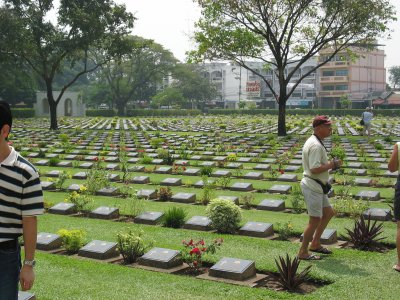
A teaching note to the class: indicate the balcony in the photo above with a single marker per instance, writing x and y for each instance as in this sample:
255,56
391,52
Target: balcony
332,93
333,64
333,79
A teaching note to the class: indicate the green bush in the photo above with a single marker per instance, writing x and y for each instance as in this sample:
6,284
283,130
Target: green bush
100,113
174,217
131,245
72,240
23,112
224,215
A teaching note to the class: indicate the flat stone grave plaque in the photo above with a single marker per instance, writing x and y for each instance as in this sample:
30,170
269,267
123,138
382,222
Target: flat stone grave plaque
354,165
51,155
112,167
291,168
163,170
70,157
352,158
287,177
161,258
63,208
133,160
53,173
244,159
153,155
328,237
280,189
79,175
171,182
208,164
99,250
269,160
296,162
111,159
253,175
379,159
86,165
208,153
221,173
242,186
363,181
200,183
196,157
132,154
368,195
136,169
234,166
113,177
379,214
147,194
90,158
74,187
48,241
198,223
48,185
65,164
233,268
157,161
191,172
262,167
182,162
42,162
141,179
104,212
271,204
219,158
234,199
257,229
390,174
33,155
149,218
26,296
184,197
108,191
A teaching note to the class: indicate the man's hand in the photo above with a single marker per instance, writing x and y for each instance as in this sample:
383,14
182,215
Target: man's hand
26,277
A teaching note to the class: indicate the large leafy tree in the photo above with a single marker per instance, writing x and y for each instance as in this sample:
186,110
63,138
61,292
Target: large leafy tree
286,33
394,76
137,74
27,33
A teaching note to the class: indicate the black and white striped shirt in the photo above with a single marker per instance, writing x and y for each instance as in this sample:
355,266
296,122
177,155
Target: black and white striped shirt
20,194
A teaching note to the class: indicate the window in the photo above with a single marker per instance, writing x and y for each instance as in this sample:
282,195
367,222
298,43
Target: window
296,95
342,72
328,73
328,88
341,87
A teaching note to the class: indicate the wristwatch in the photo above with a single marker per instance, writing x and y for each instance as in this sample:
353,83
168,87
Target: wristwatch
31,263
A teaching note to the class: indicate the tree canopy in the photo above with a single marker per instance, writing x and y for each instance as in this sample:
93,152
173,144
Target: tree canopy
28,33
284,33
394,76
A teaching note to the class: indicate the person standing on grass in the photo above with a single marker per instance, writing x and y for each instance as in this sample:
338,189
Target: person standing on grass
315,188
21,200
394,166
367,117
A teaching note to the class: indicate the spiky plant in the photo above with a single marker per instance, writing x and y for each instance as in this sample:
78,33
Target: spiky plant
364,235
288,277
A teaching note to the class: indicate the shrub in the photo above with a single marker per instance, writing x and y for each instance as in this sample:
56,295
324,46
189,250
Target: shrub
351,207
285,230
53,161
64,175
146,160
288,277
97,178
82,202
132,205
192,253
174,217
247,201
206,170
364,236
72,240
224,214
207,190
165,193
131,245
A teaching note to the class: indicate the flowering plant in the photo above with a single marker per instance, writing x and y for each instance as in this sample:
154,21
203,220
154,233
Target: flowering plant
193,251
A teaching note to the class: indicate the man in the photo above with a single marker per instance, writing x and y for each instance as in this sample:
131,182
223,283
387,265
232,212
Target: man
21,200
367,117
314,186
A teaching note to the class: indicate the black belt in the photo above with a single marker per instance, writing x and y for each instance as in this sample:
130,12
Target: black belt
8,245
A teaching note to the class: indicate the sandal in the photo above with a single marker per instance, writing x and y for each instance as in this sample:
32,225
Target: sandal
311,257
322,250
396,268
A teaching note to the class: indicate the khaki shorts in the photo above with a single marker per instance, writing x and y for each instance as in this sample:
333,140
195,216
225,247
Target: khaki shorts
315,202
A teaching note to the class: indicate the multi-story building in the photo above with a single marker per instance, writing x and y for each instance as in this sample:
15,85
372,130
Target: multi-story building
354,79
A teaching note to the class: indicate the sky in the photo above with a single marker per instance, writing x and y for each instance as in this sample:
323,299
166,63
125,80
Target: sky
171,24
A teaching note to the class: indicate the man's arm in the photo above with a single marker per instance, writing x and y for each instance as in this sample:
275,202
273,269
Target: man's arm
27,275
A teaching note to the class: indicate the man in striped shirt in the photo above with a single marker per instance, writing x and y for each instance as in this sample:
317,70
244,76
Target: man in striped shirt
21,200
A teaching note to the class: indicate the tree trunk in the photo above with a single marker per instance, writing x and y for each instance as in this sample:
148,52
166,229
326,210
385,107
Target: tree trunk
53,108
282,117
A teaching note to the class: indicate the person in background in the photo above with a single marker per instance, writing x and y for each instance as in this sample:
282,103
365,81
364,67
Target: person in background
21,200
394,166
367,116
315,188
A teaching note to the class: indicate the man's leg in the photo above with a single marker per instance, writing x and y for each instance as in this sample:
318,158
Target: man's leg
9,273
398,245
308,236
328,213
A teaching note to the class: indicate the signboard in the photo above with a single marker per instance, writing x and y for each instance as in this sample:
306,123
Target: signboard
253,88
298,102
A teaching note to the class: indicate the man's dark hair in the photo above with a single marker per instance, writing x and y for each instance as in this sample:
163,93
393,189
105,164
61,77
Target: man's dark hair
5,114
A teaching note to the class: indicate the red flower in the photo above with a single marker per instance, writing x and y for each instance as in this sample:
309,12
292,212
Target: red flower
281,171
203,249
190,242
201,242
96,158
195,263
195,251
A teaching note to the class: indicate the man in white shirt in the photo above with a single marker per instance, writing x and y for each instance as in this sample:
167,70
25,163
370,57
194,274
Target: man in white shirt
315,188
367,117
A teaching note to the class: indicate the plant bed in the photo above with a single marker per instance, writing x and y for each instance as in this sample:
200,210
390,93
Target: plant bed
377,247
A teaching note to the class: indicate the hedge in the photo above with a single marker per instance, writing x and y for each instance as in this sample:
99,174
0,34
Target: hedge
162,112
100,113
23,112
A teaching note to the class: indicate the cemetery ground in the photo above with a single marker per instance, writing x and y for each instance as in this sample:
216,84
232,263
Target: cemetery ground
200,143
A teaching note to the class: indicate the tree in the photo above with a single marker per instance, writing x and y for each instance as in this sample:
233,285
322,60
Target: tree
27,33
394,76
286,33
136,75
168,97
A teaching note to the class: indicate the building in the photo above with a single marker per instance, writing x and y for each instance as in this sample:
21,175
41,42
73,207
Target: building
70,105
355,79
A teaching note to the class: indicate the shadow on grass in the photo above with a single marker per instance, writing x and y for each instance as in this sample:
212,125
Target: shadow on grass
337,267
